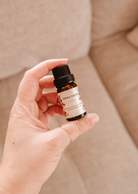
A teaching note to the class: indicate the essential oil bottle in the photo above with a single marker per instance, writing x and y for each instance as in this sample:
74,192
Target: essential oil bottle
68,93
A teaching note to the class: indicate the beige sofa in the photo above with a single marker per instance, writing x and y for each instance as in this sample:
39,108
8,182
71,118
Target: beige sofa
100,38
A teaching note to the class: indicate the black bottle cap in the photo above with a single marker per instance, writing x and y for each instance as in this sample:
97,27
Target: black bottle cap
62,75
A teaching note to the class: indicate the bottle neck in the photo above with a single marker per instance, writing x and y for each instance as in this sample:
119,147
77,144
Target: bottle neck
64,84
64,80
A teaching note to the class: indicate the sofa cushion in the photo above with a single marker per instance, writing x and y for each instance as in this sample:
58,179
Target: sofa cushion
32,31
115,55
103,160
132,37
118,68
111,17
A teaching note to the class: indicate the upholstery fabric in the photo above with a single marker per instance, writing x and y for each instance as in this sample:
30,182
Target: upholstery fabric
33,31
103,160
115,59
132,37
118,67
111,17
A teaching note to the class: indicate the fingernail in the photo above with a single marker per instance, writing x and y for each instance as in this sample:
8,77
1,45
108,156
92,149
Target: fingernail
92,118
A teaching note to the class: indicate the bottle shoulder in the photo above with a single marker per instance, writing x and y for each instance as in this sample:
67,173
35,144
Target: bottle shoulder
67,87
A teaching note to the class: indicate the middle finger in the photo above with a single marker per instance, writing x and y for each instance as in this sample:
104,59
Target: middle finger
47,82
51,97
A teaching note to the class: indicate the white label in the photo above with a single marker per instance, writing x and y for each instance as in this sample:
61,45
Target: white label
71,103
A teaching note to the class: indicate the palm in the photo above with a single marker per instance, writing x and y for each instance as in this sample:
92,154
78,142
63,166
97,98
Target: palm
41,110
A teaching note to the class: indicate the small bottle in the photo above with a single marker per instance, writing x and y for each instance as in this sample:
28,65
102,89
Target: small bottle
68,93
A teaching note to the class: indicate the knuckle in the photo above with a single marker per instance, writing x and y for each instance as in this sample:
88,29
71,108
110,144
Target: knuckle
27,73
80,127
12,112
18,111
54,143
14,109
31,73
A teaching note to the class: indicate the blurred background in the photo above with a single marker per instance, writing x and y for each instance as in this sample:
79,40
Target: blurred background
100,39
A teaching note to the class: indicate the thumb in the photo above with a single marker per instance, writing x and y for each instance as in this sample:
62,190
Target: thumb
70,131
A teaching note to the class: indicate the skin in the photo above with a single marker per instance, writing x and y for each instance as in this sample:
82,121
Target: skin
32,151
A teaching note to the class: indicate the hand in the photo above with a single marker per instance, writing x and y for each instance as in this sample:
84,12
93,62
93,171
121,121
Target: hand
32,151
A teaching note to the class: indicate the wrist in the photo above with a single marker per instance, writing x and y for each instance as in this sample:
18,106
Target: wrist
3,181
12,182
8,182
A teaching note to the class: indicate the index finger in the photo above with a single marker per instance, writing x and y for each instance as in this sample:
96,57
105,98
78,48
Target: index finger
30,83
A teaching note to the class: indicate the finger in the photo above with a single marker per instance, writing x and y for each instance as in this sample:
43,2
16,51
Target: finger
42,104
74,129
30,83
54,110
51,97
47,82
39,94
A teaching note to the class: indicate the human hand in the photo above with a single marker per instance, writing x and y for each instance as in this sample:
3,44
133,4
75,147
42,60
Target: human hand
32,151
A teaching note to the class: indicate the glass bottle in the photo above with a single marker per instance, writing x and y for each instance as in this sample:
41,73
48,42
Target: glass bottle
68,93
